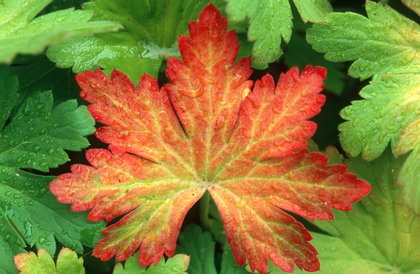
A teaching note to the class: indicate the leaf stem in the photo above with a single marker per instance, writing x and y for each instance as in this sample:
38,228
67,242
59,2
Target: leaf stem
204,210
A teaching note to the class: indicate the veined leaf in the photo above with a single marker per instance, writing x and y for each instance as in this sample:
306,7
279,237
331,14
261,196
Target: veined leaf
208,131
67,262
149,36
21,33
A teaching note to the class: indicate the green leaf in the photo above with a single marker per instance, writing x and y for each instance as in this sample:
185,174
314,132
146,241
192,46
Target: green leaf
270,20
67,262
389,105
34,138
200,245
38,134
21,33
151,30
177,264
313,10
385,42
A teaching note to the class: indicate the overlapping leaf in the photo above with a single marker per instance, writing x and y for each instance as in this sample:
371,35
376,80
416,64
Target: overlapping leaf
34,138
149,36
21,33
270,21
208,131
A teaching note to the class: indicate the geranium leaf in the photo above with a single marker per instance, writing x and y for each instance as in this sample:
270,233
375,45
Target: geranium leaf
21,33
149,36
208,131
178,264
67,262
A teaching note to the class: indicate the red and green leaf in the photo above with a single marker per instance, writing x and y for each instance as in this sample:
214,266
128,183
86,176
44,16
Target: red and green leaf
207,131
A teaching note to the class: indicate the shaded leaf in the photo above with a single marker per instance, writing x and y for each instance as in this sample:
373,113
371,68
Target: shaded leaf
34,138
208,131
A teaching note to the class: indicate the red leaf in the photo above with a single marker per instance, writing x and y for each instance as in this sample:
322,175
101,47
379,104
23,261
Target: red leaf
208,131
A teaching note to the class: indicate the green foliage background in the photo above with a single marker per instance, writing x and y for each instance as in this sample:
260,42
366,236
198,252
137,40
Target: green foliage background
371,51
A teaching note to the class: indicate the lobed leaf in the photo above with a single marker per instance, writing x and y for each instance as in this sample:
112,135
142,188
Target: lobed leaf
67,262
208,131
21,33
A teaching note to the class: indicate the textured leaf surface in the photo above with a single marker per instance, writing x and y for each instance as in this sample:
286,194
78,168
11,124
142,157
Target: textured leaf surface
208,131
67,262
385,42
192,240
34,138
178,264
149,36
21,33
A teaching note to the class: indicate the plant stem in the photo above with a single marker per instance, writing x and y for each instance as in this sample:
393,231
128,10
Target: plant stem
204,210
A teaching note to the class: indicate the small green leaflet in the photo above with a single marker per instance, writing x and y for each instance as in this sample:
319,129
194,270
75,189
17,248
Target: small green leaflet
67,262
270,21
21,33
178,264
151,30
33,137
